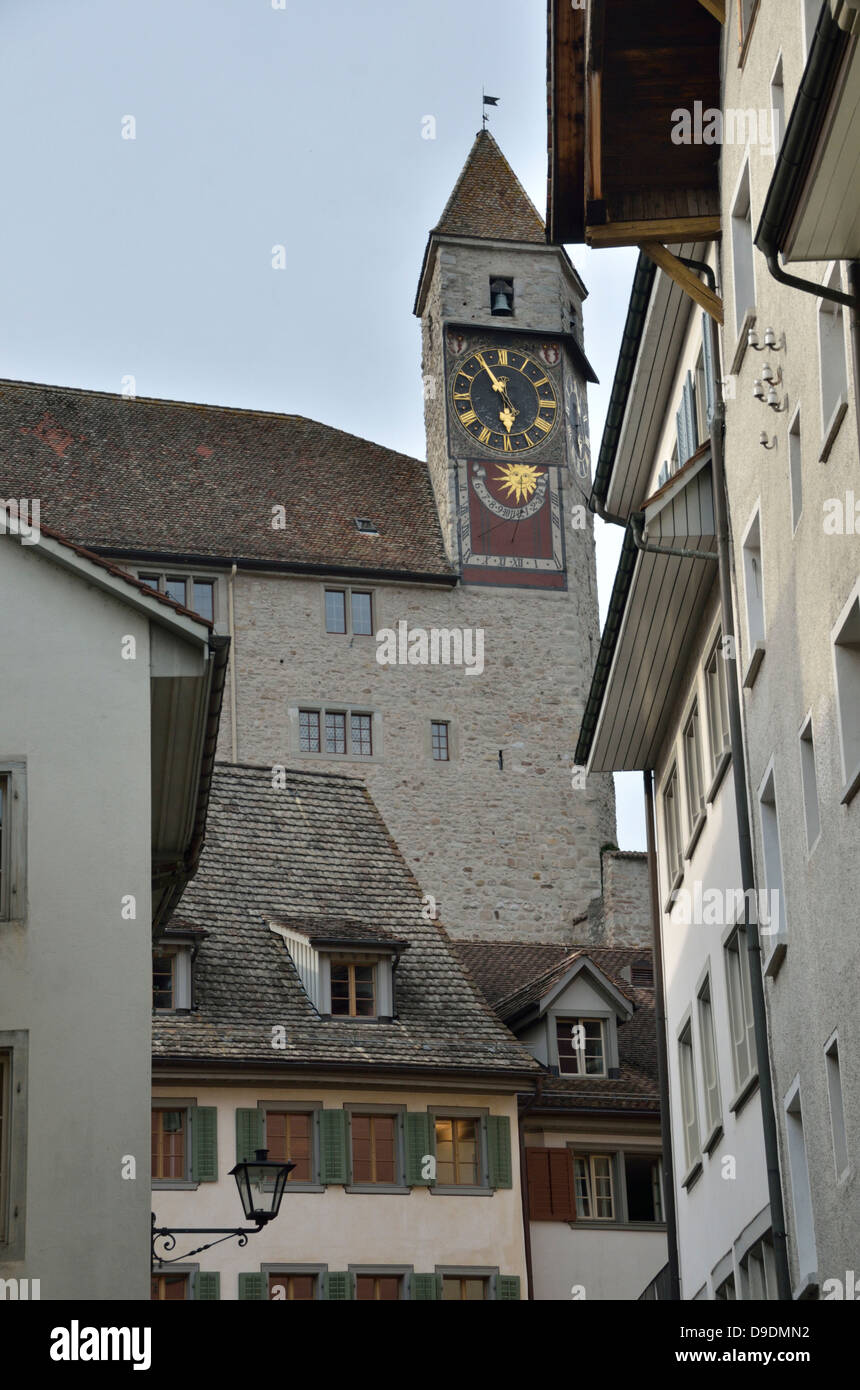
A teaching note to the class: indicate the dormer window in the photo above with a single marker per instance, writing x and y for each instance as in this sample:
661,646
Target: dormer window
353,989
171,968
501,296
347,967
581,1047
365,526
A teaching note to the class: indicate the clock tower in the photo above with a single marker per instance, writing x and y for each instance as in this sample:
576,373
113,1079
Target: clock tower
505,380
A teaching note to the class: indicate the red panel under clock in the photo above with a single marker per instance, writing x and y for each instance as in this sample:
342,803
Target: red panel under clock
510,525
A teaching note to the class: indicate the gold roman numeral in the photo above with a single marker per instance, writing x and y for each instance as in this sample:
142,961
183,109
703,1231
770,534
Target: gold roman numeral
503,357
469,417
484,436
462,396
507,443
542,425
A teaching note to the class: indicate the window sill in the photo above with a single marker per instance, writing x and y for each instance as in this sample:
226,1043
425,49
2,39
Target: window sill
304,1187
443,1191
833,429
374,1189
698,827
691,1177
673,888
749,322
593,1224
754,666
174,1186
719,773
852,788
713,1138
749,1087
777,955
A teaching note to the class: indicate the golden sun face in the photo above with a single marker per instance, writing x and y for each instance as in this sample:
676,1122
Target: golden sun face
518,480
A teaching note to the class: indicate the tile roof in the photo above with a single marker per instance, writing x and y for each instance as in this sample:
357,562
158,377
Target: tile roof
126,475
515,971
318,848
489,201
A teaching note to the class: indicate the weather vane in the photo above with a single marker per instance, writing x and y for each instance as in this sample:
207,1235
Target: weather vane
487,101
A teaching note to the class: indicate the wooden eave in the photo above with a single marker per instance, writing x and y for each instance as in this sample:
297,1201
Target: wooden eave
611,123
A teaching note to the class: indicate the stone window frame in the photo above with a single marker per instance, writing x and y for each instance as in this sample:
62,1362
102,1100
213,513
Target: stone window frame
322,708
453,739
316,1271
488,1272
347,590
294,1107
465,1112
379,1271
191,574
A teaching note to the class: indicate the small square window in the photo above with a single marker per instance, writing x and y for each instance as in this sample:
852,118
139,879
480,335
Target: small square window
203,598
381,1288
163,981
581,1050
175,589
168,1288
463,1289
353,990
292,1288
365,526
457,1152
439,740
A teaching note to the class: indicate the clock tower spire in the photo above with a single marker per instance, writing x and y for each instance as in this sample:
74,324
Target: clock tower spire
505,382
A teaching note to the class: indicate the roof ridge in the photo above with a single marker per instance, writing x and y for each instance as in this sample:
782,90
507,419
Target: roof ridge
485,141
244,410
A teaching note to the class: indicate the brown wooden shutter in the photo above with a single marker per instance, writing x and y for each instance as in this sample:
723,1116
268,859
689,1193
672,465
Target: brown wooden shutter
540,1192
550,1178
561,1184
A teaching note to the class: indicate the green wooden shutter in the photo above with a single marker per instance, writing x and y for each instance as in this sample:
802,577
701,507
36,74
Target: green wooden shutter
508,1286
334,1154
204,1143
249,1134
252,1286
708,361
425,1286
420,1144
338,1287
499,1150
207,1286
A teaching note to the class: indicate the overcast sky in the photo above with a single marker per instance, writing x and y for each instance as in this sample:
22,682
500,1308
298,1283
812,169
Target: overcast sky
257,126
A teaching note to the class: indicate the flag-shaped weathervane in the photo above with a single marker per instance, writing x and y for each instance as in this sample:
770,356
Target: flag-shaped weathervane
488,101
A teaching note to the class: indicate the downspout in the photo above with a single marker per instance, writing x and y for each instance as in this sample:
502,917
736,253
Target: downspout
662,1049
234,727
524,1188
768,1113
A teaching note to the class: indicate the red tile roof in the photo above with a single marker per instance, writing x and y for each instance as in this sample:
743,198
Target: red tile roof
489,201
127,475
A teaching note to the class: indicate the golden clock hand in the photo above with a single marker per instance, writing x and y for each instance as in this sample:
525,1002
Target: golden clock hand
497,385
507,416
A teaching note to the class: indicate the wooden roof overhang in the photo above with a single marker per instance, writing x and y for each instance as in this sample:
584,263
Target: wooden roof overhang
615,82
658,603
812,210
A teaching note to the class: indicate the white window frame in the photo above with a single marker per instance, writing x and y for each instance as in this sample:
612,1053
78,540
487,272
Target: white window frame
803,1226
190,578
181,954
752,551
839,1133
717,701
795,467
579,1050
13,841
671,801
777,105
832,362
845,644
743,260
14,1052
694,779
810,13
689,1108
587,1159
736,963
710,1063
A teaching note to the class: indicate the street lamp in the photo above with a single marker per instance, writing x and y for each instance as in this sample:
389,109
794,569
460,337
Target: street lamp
261,1184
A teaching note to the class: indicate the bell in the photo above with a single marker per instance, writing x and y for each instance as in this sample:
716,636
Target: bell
501,302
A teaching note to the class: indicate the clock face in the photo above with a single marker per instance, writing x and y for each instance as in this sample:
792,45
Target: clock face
504,399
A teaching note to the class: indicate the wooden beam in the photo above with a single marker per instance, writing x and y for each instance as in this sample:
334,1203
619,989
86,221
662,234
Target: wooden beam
673,230
686,278
715,7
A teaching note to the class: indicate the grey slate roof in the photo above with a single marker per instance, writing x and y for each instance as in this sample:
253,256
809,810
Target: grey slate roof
318,848
339,929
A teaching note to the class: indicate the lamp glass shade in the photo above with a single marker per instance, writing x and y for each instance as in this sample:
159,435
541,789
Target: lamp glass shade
261,1186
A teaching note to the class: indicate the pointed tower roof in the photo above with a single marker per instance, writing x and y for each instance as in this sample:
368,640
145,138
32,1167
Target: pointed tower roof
489,201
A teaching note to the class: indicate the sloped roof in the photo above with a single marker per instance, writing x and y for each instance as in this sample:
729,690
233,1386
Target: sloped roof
318,848
489,201
512,971
339,929
125,475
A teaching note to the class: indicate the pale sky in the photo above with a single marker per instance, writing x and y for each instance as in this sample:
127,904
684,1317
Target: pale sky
257,124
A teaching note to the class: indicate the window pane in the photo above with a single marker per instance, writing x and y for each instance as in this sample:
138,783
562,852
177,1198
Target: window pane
361,735
168,1144
593,1047
373,1148
642,1182
439,735
175,589
293,1288
362,615
582,1184
162,982
150,579
340,989
289,1138
204,598
335,733
335,610
363,983
309,731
